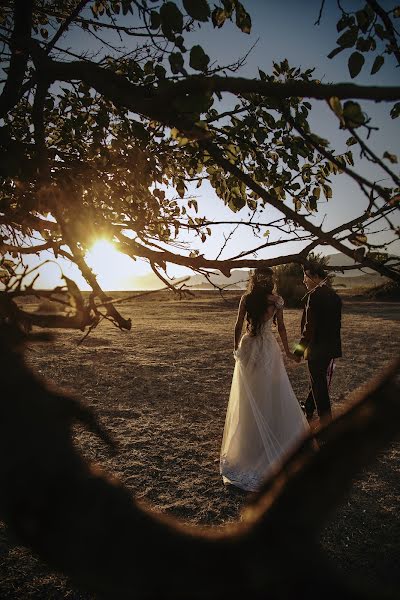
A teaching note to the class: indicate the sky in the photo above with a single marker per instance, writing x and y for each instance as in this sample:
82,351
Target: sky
280,29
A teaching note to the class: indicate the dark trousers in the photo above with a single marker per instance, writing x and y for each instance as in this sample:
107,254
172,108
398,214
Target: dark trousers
318,396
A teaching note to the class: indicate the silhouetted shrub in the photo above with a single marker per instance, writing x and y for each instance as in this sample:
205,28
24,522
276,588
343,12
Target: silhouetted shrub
385,291
289,280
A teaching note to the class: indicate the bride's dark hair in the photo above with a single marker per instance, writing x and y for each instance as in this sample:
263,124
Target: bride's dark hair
261,284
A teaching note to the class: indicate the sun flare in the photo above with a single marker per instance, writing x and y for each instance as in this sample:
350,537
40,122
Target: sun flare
114,270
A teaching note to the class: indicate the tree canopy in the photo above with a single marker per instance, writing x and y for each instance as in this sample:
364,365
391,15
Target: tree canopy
93,142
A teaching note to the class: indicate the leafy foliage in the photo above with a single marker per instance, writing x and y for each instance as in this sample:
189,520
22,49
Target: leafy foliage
289,280
112,145
369,30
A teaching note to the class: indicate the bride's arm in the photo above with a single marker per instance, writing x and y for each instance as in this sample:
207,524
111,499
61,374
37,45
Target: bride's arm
282,331
239,322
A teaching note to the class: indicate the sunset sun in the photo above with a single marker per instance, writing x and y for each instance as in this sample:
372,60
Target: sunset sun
113,269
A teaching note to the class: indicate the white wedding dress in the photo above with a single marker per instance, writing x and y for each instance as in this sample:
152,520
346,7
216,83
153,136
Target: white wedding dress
264,420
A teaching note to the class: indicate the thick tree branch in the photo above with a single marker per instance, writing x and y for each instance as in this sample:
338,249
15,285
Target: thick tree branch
153,102
12,249
20,53
289,89
132,248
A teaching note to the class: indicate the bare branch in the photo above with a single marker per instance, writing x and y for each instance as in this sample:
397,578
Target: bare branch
19,47
65,25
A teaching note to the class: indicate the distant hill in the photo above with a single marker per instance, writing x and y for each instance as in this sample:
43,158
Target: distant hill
237,280
339,259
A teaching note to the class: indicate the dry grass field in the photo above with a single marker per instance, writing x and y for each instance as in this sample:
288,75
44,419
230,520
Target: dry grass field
162,391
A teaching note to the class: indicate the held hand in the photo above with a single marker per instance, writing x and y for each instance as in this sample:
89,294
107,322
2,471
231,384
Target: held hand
294,357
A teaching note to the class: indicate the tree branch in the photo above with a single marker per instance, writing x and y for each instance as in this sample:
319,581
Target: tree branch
64,26
20,53
389,26
291,214
153,102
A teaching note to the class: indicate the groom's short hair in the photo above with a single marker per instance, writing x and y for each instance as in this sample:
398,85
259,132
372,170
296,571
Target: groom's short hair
315,270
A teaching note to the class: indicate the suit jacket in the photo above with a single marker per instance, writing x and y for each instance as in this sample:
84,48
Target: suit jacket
320,325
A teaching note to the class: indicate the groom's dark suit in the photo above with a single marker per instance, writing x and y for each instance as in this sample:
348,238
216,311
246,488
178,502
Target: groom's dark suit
320,344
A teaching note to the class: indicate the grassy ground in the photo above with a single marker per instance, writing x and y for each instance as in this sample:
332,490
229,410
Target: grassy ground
162,391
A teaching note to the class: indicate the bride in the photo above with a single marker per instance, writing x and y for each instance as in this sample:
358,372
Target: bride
264,419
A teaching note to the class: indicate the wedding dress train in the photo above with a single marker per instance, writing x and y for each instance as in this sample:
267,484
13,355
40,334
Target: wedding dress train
264,419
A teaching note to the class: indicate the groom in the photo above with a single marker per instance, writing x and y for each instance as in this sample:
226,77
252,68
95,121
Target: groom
320,343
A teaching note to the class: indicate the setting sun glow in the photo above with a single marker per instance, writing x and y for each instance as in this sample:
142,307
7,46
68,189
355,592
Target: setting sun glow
114,271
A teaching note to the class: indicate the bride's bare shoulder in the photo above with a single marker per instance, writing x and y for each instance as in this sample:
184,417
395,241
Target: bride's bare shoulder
276,299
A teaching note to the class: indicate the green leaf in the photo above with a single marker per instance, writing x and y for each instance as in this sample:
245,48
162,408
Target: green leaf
236,203
343,23
348,156
358,239
351,141
180,188
155,20
176,62
364,45
335,51
179,43
197,9
363,20
260,135
380,31
336,106
395,112
355,64
76,298
148,68
327,191
391,157
159,71
193,204
218,17
171,17
243,20
198,59
262,74
378,62
349,38
352,114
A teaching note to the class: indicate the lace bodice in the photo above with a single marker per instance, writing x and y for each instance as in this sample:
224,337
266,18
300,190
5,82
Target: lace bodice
279,303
